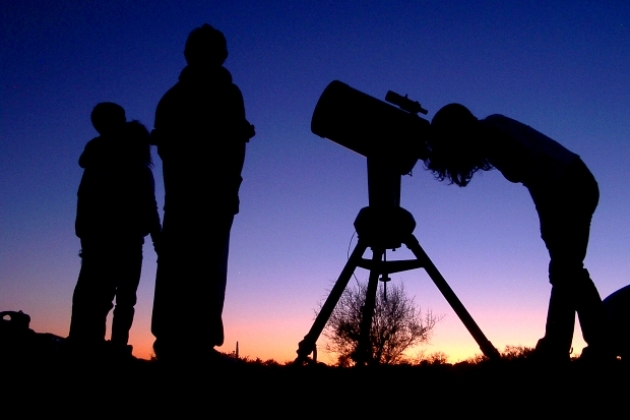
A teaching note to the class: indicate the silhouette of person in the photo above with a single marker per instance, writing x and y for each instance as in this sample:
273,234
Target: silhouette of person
617,308
201,132
116,209
565,194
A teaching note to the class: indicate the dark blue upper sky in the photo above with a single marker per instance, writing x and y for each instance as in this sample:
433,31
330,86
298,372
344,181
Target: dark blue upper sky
561,67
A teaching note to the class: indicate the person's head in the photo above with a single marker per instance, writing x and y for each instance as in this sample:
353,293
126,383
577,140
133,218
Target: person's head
454,146
108,117
205,46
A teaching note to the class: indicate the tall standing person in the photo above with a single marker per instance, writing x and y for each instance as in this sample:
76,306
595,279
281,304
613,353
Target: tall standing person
201,133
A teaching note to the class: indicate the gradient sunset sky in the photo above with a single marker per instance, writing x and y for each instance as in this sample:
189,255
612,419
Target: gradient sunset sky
562,67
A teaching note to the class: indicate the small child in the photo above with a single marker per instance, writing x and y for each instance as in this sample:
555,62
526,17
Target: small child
565,194
116,209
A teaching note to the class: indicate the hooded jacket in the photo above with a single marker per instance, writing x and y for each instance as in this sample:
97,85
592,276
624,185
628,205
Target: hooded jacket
116,196
201,131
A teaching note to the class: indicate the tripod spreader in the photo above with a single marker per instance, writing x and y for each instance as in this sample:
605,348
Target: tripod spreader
382,229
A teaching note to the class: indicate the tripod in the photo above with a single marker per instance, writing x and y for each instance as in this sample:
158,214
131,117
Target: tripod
380,226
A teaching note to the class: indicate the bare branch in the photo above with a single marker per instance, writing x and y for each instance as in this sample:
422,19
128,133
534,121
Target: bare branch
397,325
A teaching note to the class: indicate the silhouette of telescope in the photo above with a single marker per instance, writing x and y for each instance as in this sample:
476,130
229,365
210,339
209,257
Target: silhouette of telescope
371,127
392,139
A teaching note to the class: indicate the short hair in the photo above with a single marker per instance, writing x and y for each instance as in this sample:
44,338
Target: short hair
206,45
107,117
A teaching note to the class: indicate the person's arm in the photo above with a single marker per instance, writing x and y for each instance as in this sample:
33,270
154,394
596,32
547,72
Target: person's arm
155,227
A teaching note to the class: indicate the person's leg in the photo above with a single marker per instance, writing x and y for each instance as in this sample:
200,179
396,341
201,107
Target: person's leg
129,268
93,295
218,282
556,344
190,284
168,302
590,311
205,282
565,216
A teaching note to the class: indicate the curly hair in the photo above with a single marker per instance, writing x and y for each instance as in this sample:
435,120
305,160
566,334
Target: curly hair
454,152
136,142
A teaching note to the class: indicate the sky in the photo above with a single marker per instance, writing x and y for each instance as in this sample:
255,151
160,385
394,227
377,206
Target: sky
561,67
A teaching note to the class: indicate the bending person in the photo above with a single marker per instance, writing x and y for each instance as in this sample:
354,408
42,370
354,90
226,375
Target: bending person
565,194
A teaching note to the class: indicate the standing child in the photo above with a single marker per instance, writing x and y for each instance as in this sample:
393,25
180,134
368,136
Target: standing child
116,209
201,135
565,194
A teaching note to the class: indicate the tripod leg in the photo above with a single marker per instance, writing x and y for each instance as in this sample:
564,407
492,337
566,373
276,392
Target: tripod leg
307,345
484,344
364,347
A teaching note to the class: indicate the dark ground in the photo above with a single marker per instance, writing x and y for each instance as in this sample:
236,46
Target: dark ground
41,375
517,387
